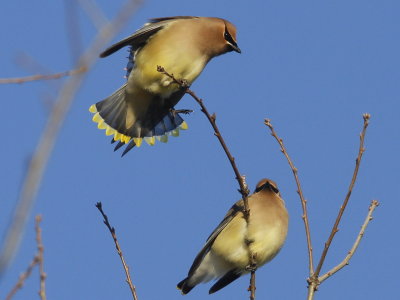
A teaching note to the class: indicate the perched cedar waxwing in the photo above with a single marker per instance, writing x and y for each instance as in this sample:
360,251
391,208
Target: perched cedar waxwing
143,108
226,252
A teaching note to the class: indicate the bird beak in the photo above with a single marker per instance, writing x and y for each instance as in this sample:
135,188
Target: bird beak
236,48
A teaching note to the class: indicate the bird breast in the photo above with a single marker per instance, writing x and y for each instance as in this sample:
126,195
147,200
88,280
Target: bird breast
178,55
267,231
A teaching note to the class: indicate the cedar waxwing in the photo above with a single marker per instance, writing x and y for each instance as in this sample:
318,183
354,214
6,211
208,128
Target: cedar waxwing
226,252
143,108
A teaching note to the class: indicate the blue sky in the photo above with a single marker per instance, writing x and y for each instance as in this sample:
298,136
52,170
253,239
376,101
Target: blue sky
312,67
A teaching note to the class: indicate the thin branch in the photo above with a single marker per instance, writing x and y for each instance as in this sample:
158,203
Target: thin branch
40,248
300,193
114,236
312,287
37,260
42,77
335,229
353,249
212,119
73,32
45,146
253,285
253,268
93,11
243,189
22,278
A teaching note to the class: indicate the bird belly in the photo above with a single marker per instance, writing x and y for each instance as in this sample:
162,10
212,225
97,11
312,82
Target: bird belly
212,266
266,242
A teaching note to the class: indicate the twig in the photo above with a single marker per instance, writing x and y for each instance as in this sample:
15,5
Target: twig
243,189
73,32
212,119
361,150
37,260
22,278
114,236
42,77
253,267
40,248
300,193
45,146
94,13
253,285
353,249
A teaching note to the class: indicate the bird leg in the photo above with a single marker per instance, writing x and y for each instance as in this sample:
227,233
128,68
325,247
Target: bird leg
180,111
252,266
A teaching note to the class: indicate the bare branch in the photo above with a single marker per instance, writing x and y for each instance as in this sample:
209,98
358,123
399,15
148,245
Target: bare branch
243,189
73,32
40,248
361,150
42,77
253,268
212,119
94,13
45,146
22,278
114,236
37,260
353,249
300,193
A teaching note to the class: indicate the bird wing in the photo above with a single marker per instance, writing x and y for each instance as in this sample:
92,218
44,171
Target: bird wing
234,210
140,37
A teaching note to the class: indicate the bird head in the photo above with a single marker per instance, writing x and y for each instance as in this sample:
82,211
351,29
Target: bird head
219,36
267,184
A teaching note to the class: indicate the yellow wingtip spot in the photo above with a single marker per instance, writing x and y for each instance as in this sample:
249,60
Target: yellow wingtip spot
117,136
93,109
150,140
125,139
110,131
96,118
163,138
101,125
184,126
138,141
175,132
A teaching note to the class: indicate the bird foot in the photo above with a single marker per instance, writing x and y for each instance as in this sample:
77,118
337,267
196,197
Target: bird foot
251,267
181,111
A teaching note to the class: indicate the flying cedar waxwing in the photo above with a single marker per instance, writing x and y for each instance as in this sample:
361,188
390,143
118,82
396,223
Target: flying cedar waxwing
143,108
226,252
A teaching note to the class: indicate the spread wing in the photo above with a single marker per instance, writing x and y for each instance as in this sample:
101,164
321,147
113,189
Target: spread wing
235,209
140,37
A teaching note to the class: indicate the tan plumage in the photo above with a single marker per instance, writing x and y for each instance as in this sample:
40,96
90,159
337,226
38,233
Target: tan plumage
226,252
144,106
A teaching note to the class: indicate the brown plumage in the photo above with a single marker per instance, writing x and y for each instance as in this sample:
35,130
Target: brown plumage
144,106
226,253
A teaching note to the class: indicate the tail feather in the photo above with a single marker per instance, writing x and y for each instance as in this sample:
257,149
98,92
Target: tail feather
184,286
129,147
111,114
119,145
225,280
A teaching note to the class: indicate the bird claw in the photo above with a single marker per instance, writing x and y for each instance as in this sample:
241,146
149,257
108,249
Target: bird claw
181,111
184,83
251,268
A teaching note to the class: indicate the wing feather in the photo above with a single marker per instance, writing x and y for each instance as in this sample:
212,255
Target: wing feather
235,209
140,37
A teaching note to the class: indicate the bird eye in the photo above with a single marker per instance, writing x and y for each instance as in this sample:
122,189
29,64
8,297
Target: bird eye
229,38
269,186
274,189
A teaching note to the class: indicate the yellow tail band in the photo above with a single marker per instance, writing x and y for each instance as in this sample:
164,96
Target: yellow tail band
101,124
